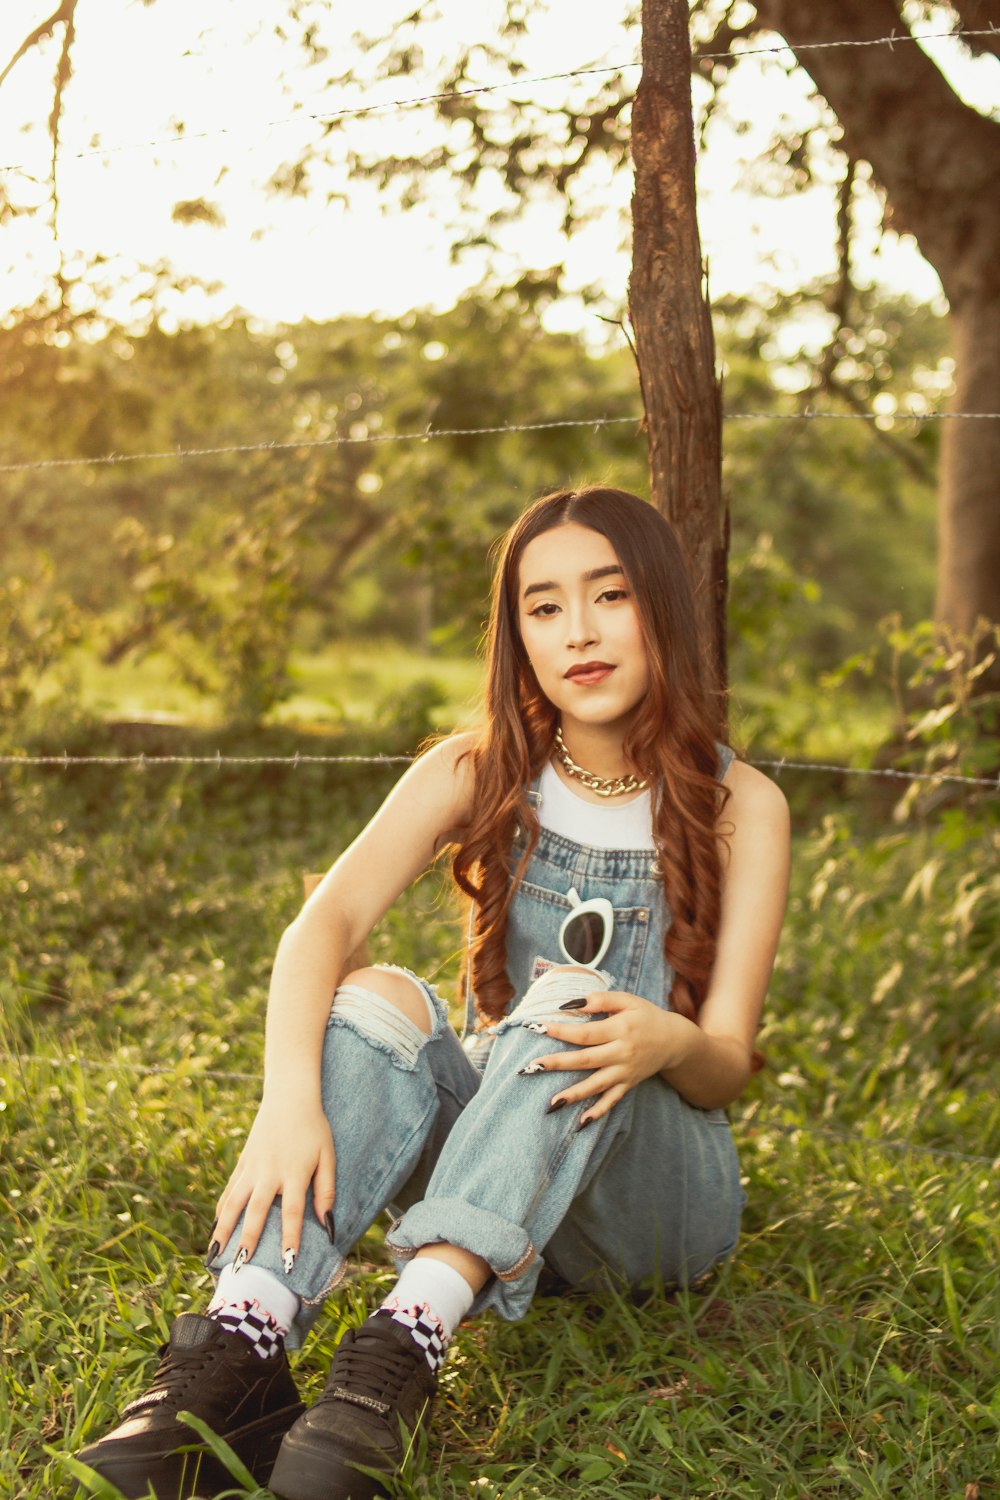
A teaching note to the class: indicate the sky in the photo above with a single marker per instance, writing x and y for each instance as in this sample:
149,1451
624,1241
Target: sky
142,71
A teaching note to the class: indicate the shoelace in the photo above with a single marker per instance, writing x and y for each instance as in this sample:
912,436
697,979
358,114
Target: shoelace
172,1379
378,1371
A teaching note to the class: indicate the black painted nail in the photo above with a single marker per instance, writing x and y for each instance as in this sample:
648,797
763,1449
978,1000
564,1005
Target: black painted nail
587,1120
328,1221
574,1004
213,1251
556,1104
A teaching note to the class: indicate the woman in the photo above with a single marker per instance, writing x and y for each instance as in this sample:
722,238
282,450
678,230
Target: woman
627,880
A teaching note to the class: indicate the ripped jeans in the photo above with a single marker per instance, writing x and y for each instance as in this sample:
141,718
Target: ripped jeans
472,1159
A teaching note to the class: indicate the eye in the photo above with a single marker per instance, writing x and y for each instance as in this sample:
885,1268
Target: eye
540,611
614,593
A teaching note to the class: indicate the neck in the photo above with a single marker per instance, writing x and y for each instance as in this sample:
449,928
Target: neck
604,786
596,747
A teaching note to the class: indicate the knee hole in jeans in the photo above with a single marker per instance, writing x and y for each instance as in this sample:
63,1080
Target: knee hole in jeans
399,989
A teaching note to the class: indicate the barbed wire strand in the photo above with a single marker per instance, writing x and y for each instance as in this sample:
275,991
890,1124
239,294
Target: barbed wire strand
429,434
754,1122
887,773
65,761
218,760
419,100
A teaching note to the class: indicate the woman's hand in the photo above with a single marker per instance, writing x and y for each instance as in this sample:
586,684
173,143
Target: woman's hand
288,1148
634,1040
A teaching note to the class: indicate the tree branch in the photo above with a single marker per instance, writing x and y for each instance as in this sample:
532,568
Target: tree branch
841,299
905,452
721,40
826,377
64,71
936,158
43,30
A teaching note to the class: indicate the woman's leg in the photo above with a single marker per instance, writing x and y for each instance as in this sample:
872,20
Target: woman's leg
653,1186
511,1168
502,1160
664,1203
508,1176
394,1079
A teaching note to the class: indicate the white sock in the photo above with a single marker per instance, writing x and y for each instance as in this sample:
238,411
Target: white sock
255,1304
430,1299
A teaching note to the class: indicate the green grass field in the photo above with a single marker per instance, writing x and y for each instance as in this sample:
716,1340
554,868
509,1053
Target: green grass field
339,682
849,1349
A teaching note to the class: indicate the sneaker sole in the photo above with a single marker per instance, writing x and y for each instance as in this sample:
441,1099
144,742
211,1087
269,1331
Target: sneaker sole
184,1476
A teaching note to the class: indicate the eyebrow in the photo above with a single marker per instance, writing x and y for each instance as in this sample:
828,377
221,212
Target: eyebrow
594,573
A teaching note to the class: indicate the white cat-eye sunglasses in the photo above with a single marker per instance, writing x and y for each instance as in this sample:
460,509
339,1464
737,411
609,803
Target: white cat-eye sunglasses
586,931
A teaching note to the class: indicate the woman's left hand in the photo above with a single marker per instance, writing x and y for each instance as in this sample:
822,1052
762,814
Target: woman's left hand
633,1040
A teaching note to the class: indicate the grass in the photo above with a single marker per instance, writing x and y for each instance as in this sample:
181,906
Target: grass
849,1349
338,682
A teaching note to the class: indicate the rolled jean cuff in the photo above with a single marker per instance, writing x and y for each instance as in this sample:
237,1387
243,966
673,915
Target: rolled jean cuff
504,1246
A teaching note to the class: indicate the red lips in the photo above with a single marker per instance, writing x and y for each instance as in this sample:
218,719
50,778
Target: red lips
586,668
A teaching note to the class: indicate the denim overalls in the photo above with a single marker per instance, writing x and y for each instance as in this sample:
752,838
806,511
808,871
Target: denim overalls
457,1137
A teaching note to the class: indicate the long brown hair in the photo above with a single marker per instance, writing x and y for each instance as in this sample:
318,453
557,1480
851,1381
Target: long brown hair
671,741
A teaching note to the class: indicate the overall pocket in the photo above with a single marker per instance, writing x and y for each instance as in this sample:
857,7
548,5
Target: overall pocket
537,914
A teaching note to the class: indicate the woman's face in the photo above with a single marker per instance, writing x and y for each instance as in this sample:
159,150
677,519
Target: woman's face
575,611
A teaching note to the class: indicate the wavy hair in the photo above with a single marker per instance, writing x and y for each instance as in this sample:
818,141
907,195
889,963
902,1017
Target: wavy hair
671,741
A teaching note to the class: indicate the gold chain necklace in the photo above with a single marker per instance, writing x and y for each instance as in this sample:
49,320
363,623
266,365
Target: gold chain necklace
604,786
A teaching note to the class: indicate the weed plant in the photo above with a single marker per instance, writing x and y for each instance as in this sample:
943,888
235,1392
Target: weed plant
849,1348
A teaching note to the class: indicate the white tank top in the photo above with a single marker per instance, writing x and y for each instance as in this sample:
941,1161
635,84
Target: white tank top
601,825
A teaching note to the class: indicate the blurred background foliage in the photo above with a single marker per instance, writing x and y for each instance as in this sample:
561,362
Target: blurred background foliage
231,575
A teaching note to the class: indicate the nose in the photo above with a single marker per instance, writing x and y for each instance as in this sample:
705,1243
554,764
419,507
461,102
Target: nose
581,628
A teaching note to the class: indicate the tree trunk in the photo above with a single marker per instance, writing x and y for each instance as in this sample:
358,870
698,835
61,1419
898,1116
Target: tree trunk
968,571
939,164
673,328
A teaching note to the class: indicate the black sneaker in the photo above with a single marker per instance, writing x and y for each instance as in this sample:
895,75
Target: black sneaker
249,1401
378,1393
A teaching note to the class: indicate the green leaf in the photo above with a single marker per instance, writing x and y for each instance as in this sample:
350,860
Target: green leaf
93,1483
893,1452
933,719
951,1303
599,1468
220,1449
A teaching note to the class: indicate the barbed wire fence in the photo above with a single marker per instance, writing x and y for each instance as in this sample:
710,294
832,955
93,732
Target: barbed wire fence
472,90
497,430
66,762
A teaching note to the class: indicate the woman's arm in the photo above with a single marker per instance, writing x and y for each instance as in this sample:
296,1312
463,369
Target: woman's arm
707,1062
290,1143
400,841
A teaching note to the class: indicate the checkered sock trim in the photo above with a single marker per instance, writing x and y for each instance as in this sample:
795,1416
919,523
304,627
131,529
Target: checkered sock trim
423,1328
249,1320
